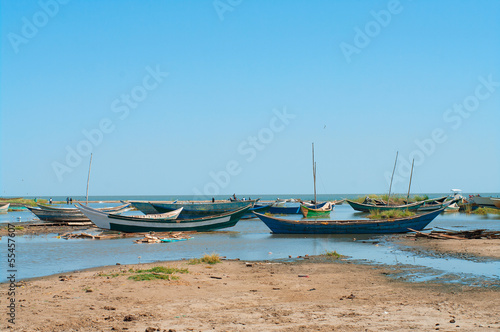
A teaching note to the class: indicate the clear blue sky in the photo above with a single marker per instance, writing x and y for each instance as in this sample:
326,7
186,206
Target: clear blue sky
360,79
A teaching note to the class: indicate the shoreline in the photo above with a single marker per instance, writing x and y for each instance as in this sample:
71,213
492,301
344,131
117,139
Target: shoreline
318,293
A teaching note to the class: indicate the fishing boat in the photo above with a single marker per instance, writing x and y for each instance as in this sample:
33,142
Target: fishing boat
4,207
379,226
110,209
454,207
438,203
68,214
134,224
291,206
483,201
315,211
192,209
368,207
323,211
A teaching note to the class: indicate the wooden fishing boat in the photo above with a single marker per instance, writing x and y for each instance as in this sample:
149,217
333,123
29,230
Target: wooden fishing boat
323,211
192,209
454,207
134,224
291,206
110,209
364,207
436,203
379,226
483,201
4,207
68,214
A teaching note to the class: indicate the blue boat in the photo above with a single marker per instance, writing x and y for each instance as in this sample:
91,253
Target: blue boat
284,209
379,226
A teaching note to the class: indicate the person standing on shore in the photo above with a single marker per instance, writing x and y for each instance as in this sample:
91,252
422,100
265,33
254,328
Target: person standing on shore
50,200
67,200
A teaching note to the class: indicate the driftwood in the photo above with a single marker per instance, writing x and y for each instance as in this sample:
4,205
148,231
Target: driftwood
458,235
158,237
148,237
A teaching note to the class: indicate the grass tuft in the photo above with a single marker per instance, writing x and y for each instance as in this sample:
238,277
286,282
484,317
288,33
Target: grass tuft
395,199
333,254
390,214
486,210
208,259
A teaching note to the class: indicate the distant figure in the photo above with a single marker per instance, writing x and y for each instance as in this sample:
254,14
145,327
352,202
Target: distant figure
234,196
67,200
50,200
213,200
70,200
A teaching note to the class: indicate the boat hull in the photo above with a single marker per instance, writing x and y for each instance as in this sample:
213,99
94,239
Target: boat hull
483,201
193,210
308,212
105,221
284,209
389,226
4,208
67,214
368,207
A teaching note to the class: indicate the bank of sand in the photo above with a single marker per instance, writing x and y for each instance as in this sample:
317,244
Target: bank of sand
317,294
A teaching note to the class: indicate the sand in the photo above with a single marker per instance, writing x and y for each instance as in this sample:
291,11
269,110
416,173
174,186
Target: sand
316,294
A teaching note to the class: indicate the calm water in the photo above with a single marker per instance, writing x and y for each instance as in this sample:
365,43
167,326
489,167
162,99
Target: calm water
251,240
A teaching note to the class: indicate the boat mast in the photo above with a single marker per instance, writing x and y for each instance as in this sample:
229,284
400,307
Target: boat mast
411,174
88,179
390,187
314,173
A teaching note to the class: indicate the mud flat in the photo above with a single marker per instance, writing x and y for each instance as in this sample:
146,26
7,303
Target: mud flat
316,294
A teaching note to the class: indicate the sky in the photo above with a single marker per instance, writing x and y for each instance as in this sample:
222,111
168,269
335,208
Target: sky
227,96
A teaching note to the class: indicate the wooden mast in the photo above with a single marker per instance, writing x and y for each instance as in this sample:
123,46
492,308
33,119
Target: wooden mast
411,174
390,187
314,173
88,179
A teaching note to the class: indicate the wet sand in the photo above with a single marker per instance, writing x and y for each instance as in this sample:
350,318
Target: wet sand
317,294
485,248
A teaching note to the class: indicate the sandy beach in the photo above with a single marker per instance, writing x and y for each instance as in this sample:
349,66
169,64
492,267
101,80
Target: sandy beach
314,294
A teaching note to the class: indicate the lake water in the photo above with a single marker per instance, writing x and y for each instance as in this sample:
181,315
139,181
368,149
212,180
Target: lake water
251,240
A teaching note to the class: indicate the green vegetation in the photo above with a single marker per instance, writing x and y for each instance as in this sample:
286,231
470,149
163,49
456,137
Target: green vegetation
333,254
157,272
18,228
208,259
397,199
390,214
22,201
485,211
